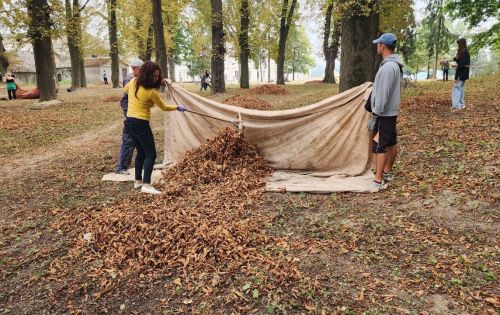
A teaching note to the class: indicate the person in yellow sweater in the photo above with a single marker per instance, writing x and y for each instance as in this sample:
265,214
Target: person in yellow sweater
143,94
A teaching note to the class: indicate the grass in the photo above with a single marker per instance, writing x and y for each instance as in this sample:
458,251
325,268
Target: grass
433,233
23,129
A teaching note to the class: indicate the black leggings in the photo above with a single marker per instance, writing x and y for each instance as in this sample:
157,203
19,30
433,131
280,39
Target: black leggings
140,131
12,94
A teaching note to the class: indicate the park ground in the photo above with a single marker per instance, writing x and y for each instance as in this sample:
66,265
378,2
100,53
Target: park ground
426,245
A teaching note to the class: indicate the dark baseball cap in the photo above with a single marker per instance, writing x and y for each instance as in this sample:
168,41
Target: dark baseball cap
388,39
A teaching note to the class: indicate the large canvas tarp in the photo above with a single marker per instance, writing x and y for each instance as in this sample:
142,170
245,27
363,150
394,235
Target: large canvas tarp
322,147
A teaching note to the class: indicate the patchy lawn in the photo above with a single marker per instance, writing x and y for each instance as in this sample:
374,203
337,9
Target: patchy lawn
428,244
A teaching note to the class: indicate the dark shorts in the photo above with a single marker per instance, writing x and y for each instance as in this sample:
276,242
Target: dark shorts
386,127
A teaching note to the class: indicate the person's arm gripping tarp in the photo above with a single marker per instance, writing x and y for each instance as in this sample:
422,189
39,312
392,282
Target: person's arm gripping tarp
156,98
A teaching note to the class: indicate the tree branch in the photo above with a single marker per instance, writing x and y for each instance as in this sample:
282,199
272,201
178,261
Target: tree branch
83,7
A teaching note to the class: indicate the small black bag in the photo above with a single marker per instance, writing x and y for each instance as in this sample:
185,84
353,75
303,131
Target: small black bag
368,104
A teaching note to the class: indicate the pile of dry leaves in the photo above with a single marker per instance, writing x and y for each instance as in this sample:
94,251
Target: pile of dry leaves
111,98
248,102
269,89
203,233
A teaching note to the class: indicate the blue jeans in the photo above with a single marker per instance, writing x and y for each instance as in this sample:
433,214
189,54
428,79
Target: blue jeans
126,151
457,95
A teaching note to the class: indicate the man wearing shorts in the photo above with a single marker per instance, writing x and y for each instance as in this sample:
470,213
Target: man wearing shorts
385,100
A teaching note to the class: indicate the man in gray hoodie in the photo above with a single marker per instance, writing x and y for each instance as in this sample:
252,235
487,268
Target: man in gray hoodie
385,100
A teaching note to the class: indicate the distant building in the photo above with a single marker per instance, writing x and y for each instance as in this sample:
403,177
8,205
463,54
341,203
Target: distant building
24,67
96,66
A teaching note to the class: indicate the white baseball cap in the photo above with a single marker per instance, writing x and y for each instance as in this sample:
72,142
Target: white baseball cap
136,63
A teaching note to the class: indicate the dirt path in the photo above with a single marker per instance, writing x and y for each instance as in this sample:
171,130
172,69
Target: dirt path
14,165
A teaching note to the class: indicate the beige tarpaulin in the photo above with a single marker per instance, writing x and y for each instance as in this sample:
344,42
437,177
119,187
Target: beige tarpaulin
323,147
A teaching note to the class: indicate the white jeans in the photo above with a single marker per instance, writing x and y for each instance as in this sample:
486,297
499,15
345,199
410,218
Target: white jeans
457,95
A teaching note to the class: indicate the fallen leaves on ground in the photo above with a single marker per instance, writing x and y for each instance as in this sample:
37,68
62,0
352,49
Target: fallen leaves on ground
269,89
248,102
111,98
428,244
204,232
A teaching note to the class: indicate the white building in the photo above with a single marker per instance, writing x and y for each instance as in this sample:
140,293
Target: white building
95,67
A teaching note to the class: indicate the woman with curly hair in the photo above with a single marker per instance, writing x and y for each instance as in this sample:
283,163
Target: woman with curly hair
143,93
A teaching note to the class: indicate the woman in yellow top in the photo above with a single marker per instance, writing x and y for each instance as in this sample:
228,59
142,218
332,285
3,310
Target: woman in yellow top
142,95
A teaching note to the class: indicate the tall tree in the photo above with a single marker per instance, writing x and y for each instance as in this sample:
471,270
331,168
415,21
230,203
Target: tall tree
298,52
264,31
149,44
330,47
40,34
144,45
439,37
474,12
218,50
113,43
4,61
358,54
173,17
74,35
160,46
286,19
244,47
398,17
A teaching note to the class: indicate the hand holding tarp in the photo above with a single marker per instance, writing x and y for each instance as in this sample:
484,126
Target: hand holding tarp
181,108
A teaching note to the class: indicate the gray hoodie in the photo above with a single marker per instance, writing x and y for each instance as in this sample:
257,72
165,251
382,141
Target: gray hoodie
386,94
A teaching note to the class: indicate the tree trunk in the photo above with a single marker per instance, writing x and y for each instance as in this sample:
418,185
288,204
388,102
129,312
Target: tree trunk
4,61
438,47
160,46
260,69
141,51
74,49
330,66
285,22
171,65
113,43
218,50
330,50
243,40
40,34
428,67
149,44
78,38
268,66
358,53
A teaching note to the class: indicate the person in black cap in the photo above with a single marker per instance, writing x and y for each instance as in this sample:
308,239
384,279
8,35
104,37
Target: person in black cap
385,100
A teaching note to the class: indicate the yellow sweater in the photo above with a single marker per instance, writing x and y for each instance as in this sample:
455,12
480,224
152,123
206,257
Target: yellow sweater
140,106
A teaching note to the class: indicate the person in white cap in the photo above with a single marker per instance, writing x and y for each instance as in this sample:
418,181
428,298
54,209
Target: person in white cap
127,147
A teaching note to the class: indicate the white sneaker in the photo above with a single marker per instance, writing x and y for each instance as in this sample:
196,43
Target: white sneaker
378,186
148,189
138,184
